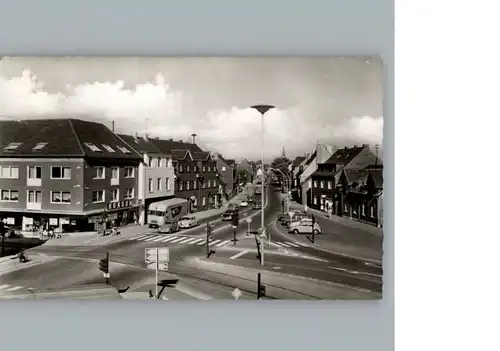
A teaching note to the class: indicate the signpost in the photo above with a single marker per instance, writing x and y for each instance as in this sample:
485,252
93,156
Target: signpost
157,259
249,220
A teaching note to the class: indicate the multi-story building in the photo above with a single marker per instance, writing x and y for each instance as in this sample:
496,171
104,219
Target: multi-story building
225,169
320,155
67,174
156,175
246,172
196,177
323,180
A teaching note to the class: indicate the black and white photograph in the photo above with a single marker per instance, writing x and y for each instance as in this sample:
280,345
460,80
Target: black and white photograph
210,178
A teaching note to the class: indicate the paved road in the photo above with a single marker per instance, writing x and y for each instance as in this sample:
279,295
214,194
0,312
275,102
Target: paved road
290,256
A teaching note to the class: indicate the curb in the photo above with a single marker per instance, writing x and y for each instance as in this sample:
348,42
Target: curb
316,246
26,265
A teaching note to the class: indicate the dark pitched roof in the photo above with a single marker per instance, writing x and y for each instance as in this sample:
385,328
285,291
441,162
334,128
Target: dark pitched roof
344,156
231,162
298,160
378,177
355,176
140,144
180,154
62,138
166,145
322,174
311,158
201,156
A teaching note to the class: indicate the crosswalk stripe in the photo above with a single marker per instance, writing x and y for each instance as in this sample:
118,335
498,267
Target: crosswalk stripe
151,238
13,288
192,241
177,240
214,242
223,243
140,237
158,238
4,286
204,242
292,244
167,239
185,240
301,244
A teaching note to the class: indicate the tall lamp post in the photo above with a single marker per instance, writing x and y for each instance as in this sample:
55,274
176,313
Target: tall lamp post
262,110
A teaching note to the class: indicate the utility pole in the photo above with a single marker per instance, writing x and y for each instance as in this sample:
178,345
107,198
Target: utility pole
208,239
377,147
313,223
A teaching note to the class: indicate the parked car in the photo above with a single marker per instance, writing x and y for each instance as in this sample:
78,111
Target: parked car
244,204
305,225
280,216
228,215
188,222
170,226
257,206
296,216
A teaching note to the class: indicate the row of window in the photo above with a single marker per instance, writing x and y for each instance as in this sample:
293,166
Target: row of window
193,168
193,184
154,162
115,172
161,184
63,197
323,184
316,201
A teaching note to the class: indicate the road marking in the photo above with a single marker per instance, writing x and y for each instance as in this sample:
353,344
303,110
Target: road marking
372,264
355,272
185,240
292,244
149,239
192,241
4,286
168,239
178,239
13,288
204,242
283,244
140,237
164,298
222,243
213,242
158,238
239,254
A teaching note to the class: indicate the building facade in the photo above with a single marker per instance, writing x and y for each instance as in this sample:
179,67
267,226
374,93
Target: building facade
210,192
156,174
323,182
226,177
67,174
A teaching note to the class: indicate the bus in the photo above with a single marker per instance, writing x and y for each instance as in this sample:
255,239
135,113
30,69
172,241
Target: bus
161,211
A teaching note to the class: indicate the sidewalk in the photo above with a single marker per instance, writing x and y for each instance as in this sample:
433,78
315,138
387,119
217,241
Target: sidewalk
11,263
344,221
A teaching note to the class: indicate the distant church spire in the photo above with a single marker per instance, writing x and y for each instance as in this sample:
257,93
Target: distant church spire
283,154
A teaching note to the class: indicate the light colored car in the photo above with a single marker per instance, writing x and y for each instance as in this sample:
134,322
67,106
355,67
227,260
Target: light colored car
168,227
244,204
305,226
188,222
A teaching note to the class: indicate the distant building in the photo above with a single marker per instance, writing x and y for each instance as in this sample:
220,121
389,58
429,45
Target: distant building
225,169
246,172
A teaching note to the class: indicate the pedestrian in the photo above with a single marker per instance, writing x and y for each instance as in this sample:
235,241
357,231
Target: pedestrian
44,232
51,233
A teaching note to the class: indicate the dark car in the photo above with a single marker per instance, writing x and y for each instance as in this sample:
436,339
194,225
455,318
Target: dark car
228,215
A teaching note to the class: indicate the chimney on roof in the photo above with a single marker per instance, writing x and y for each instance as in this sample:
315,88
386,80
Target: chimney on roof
366,145
194,135
345,147
136,135
146,136
113,126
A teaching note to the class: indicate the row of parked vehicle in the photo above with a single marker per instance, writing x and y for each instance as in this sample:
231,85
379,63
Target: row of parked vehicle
299,223
172,225
235,208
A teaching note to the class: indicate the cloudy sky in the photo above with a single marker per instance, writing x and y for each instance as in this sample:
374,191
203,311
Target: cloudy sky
335,101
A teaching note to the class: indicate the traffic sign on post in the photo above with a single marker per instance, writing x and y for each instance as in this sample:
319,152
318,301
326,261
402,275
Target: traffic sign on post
163,266
249,220
160,254
291,213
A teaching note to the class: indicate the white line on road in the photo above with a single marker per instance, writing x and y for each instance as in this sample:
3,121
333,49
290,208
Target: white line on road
158,238
140,237
169,239
214,242
193,240
4,286
204,242
292,244
177,240
239,254
283,245
185,240
355,272
13,288
223,243
149,239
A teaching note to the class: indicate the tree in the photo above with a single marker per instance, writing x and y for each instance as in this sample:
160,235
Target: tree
281,163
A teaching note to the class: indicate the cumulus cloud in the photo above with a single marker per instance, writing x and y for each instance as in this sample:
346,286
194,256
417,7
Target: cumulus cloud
235,132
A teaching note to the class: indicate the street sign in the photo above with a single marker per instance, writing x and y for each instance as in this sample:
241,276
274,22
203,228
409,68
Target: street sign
249,220
163,266
106,275
263,233
234,227
160,253
291,213
236,293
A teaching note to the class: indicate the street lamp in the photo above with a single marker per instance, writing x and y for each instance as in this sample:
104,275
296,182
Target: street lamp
249,220
262,109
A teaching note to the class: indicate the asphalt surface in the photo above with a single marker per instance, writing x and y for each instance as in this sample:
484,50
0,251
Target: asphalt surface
284,255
